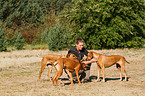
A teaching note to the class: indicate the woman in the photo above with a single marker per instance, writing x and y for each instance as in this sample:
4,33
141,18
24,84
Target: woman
80,52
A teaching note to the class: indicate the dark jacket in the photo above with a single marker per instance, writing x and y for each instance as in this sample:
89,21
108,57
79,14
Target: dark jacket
79,55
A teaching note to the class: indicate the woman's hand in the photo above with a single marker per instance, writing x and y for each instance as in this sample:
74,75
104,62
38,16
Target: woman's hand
94,60
88,62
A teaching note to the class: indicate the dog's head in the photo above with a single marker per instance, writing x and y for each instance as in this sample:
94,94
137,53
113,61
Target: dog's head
84,66
71,55
90,55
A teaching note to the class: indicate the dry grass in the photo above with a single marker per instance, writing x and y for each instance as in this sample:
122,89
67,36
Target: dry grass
19,73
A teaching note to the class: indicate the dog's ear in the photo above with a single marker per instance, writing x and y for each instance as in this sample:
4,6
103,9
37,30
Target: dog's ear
91,52
90,55
71,55
67,55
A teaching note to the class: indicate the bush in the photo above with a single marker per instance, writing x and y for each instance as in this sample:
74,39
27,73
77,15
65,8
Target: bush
19,41
136,42
57,37
3,39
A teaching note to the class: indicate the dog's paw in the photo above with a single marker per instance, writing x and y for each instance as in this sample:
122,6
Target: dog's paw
103,81
98,80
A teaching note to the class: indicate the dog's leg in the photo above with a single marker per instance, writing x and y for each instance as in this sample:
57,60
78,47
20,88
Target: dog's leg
123,69
56,72
77,74
43,64
59,73
122,64
70,75
49,71
53,78
98,79
103,72
118,67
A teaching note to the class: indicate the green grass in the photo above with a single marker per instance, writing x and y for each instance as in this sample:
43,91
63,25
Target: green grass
36,46
6,75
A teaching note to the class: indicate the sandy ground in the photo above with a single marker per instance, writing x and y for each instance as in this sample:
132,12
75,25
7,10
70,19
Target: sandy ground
19,73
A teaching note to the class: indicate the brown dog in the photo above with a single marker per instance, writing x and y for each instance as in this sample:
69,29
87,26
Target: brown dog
107,61
70,65
50,60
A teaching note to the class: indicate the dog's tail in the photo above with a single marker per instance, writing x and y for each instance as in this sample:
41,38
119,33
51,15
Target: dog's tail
126,61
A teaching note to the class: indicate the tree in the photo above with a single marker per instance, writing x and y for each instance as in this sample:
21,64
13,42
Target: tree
108,23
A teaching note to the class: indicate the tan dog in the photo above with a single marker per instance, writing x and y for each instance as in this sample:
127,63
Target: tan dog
50,60
107,61
70,65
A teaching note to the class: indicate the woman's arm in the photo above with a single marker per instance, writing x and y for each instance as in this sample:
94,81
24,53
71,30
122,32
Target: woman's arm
88,62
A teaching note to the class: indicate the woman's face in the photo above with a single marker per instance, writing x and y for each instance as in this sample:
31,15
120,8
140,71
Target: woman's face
80,45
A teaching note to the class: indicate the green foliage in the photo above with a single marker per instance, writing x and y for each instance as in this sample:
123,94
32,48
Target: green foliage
57,5
19,41
108,23
26,12
136,42
57,37
3,39
20,12
44,35
30,17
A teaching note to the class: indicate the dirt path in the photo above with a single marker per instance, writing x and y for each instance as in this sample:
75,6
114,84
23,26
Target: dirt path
19,73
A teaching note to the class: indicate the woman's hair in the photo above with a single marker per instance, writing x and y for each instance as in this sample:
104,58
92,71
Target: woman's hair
78,40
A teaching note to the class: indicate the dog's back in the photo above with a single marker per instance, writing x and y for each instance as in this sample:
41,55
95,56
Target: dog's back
52,56
110,60
68,63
